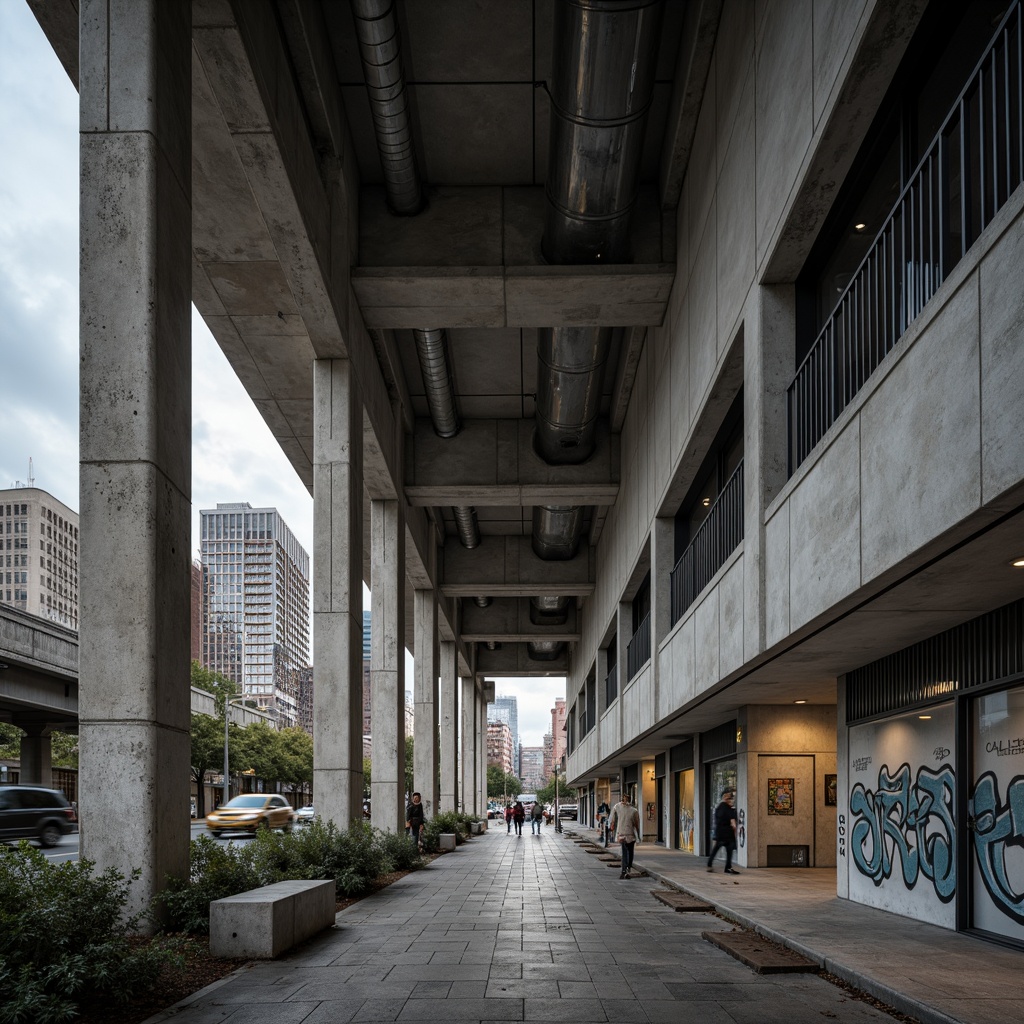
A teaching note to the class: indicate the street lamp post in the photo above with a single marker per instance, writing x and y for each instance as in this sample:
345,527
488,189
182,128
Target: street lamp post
227,705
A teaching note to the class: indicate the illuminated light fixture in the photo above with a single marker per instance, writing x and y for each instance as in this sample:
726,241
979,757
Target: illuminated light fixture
799,702
739,735
924,718
860,227
1018,563
706,502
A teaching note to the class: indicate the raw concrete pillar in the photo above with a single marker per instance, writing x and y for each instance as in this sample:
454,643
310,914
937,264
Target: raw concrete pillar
481,755
36,764
135,385
337,592
449,725
387,664
467,759
425,696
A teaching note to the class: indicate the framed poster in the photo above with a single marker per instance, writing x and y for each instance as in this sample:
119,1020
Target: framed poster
780,796
831,786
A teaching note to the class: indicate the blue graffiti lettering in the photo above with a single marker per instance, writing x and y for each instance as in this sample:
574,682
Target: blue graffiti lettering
910,821
996,827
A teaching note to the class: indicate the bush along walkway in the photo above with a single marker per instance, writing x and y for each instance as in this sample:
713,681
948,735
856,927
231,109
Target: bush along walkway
67,953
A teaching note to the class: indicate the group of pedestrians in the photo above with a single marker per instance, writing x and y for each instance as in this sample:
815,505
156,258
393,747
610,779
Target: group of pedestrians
624,824
515,815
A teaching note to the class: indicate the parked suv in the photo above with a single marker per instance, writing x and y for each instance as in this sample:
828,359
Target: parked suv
31,812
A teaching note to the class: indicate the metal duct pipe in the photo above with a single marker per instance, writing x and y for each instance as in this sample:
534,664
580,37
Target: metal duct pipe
466,524
556,531
432,350
549,611
482,602
380,49
600,96
544,650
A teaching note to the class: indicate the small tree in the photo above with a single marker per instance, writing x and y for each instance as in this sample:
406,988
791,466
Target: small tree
207,753
501,784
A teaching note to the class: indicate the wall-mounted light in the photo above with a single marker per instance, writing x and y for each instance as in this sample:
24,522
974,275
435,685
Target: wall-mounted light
1018,563
859,227
706,502
799,702
739,735
924,718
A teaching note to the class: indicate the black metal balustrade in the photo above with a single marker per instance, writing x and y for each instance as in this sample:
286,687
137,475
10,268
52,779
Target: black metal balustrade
638,651
969,171
611,685
714,542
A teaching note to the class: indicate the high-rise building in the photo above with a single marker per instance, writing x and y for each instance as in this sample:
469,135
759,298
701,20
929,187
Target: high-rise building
499,746
549,759
506,709
196,629
306,699
367,735
557,731
531,764
255,604
39,552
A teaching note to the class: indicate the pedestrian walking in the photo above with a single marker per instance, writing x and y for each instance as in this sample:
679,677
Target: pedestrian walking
603,811
414,819
725,832
508,818
536,818
625,823
518,814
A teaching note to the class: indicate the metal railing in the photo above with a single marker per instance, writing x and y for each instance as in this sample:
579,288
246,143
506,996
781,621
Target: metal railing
611,686
638,650
969,171
714,542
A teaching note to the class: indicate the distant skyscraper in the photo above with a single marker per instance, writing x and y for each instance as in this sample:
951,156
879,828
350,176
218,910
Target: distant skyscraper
39,555
255,604
367,738
531,760
506,709
196,619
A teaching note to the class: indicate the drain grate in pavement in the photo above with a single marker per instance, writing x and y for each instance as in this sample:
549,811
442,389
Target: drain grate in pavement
610,858
681,901
760,955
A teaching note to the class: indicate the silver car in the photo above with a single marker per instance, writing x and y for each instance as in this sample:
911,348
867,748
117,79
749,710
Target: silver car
304,815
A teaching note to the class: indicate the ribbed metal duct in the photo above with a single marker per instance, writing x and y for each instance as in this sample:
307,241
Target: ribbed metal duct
482,602
549,611
380,49
600,95
544,650
432,350
466,524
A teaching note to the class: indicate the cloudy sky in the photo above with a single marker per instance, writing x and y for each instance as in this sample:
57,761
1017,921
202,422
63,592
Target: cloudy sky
234,456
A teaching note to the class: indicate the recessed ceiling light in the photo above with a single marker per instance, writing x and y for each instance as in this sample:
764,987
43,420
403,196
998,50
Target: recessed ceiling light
706,502
860,227
799,702
924,717
1018,563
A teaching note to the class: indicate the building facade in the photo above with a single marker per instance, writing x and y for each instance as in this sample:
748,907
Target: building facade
39,555
255,604
499,746
558,731
505,708
531,767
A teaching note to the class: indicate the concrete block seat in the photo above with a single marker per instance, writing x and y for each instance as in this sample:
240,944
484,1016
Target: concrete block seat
263,923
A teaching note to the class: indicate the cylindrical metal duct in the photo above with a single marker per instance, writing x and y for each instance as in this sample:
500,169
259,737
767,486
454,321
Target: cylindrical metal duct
380,49
556,531
549,611
600,95
432,350
466,524
570,369
482,601
544,650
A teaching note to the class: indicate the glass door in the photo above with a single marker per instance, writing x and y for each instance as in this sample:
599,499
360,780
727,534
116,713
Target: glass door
996,813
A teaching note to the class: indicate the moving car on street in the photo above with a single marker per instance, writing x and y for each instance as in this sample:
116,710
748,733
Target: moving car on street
251,812
304,815
31,812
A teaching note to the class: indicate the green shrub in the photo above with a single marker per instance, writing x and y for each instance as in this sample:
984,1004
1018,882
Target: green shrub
400,851
447,821
64,938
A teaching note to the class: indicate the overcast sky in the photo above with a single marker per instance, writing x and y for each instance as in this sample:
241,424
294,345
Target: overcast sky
234,455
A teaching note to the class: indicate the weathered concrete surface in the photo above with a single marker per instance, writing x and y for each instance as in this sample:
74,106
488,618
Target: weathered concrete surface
426,753
448,719
264,923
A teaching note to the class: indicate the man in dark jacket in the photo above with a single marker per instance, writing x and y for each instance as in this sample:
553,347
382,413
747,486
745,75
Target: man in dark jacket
414,819
725,832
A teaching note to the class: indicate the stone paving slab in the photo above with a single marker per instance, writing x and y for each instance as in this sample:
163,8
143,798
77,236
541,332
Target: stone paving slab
681,902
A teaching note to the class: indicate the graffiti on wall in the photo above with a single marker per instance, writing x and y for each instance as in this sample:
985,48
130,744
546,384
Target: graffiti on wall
908,820
997,826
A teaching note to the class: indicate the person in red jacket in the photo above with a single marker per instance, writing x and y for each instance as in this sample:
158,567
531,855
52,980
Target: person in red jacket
508,818
519,816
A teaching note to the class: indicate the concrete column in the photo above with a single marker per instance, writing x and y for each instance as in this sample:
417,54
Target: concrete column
387,664
36,764
467,761
135,452
337,592
449,725
481,755
425,695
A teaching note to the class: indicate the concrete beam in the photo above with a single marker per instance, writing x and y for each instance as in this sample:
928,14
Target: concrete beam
493,462
513,660
536,296
507,566
507,620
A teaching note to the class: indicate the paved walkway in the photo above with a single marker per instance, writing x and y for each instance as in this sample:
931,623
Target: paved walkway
520,929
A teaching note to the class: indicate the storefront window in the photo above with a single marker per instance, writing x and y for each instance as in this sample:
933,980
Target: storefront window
684,785
722,775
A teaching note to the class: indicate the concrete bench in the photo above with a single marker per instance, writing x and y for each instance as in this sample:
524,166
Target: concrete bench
263,923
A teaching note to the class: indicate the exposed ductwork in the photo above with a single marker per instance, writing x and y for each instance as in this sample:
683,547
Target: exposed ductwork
544,650
432,350
380,50
600,96
466,524
482,601
549,611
